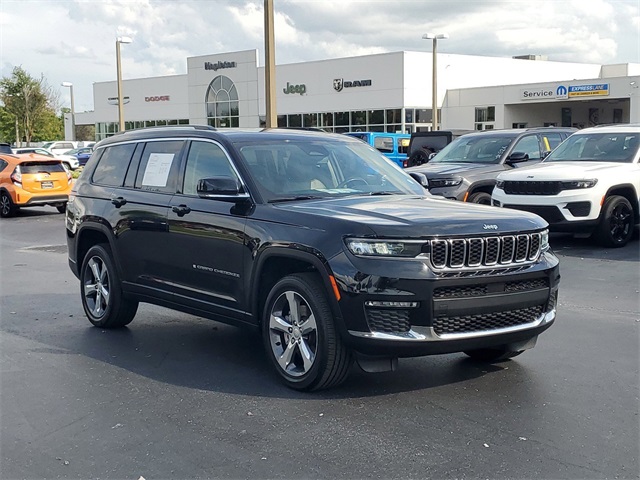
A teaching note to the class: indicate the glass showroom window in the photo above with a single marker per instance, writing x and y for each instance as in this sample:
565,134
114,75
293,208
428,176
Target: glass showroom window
222,103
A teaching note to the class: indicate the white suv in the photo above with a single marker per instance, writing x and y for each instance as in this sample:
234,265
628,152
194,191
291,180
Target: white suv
590,183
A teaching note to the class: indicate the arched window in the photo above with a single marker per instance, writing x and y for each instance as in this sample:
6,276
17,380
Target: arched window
222,103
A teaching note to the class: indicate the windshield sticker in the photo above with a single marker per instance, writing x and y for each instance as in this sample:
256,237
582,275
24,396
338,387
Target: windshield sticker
157,171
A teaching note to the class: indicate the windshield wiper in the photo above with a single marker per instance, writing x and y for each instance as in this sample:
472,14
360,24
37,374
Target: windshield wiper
292,199
384,193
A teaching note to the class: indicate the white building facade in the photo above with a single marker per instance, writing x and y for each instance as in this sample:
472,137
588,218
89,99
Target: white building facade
386,92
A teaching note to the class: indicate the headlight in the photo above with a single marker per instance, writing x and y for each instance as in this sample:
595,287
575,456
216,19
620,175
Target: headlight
383,248
445,182
500,184
576,184
544,241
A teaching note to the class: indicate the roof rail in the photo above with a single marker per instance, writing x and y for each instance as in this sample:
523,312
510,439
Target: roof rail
170,127
617,125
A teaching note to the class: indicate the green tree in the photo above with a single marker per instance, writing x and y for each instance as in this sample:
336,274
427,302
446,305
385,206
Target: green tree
33,103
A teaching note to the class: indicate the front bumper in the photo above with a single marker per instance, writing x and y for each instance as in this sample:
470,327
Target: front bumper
570,210
419,312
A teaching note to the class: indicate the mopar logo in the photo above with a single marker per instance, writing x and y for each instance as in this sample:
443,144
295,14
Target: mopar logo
489,227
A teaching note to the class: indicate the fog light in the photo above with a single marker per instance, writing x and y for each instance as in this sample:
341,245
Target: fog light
391,304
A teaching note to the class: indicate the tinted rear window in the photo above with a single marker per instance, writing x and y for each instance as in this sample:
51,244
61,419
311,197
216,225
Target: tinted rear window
41,167
113,165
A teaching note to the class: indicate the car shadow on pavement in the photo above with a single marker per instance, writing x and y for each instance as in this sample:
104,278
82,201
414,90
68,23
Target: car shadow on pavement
197,353
565,244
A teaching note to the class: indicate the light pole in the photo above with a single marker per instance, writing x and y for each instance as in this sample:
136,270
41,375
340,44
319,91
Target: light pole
434,94
270,66
73,111
120,40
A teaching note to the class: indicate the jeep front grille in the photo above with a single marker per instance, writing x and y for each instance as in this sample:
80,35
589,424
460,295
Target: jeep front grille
465,253
512,187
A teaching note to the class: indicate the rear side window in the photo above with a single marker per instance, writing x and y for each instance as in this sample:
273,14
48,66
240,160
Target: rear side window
41,167
159,166
551,140
113,164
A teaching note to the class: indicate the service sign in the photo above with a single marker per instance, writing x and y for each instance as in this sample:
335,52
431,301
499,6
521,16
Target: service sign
598,89
537,94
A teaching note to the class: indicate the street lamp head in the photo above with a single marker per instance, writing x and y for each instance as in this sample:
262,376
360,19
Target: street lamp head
124,40
435,36
66,84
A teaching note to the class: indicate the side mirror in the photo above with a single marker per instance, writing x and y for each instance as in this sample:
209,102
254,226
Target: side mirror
226,189
545,154
517,157
421,178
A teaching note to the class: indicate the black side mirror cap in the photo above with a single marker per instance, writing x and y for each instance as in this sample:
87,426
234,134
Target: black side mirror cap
421,178
517,157
226,189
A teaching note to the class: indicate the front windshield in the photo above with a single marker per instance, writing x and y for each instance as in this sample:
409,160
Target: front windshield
323,167
47,145
597,147
474,149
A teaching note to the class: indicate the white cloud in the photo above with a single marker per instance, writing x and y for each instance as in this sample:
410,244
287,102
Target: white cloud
75,39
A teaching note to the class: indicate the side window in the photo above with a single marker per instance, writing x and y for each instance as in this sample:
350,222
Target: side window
551,141
3,164
159,166
113,164
205,160
528,145
383,144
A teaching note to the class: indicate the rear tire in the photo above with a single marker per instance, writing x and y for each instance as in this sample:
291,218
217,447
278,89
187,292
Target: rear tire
7,207
482,198
491,355
616,222
101,290
300,337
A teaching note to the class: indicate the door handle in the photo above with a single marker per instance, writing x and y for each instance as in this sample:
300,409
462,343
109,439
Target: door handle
118,201
181,210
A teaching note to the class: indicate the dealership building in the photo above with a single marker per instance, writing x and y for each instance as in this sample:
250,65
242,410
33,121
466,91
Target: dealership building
385,92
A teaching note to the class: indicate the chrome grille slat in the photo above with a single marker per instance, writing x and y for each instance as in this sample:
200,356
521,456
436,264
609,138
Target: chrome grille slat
459,254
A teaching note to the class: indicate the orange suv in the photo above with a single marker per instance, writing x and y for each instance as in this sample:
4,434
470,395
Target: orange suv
32,180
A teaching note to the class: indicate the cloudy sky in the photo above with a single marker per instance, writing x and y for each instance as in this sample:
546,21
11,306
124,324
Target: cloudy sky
74,40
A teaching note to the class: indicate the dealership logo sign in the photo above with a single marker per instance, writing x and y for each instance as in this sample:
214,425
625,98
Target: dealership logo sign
114,100
301,89
339,84
157,98
219,65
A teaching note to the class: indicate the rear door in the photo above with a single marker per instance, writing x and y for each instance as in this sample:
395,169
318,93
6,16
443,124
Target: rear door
139,208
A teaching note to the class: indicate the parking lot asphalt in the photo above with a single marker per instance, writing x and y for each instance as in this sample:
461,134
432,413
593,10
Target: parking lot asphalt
177,396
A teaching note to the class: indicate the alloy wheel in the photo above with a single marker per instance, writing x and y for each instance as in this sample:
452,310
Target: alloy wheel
96,286
293,334
620,222
5,205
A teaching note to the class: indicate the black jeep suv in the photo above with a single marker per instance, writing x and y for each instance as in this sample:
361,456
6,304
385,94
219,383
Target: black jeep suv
315,239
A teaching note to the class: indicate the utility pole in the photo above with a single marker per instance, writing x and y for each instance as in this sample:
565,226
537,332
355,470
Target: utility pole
270,66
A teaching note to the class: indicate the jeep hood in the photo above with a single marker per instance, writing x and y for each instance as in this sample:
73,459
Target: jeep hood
568,171
433,170
405,216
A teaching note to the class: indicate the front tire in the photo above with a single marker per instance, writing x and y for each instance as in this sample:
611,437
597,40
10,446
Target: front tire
7,207
300,337
616,222
482,198
101,291
61,208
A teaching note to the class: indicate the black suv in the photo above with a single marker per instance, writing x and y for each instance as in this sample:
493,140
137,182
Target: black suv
466,169
315,239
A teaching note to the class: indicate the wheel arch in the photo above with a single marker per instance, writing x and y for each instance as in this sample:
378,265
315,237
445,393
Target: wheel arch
277,262
93,234
485,186
629,192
